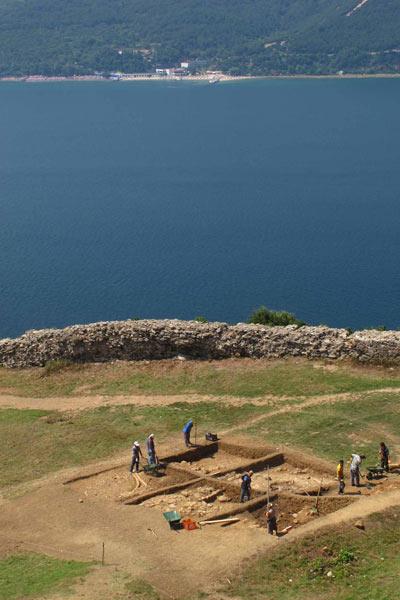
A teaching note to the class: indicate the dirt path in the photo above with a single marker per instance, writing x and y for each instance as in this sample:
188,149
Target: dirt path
74,403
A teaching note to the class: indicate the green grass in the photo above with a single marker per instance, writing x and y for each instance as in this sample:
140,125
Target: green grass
232,377
30,575
33,443
364,565
335,430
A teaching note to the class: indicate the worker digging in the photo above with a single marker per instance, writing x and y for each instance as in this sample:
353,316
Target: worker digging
187,429
245,490
356,460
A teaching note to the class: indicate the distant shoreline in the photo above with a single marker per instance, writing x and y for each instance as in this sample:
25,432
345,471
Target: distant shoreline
204,78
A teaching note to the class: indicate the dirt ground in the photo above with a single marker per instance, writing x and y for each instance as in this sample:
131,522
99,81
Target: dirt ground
73,521
54,520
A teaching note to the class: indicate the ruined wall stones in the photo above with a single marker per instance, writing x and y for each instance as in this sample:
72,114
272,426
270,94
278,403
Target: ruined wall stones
151,339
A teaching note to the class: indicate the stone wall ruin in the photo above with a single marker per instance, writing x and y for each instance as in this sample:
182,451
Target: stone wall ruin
162,339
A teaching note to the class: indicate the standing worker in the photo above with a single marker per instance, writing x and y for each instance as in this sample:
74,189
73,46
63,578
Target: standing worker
136,454
151,450
271,520
384,456
245,490
356,460
187,428
340,476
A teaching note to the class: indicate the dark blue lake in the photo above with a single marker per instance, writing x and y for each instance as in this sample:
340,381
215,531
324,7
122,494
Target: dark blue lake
175,200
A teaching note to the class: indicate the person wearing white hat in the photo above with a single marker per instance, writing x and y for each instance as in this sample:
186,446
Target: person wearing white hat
136,454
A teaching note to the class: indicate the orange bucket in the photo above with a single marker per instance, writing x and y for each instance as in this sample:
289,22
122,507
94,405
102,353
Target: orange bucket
189,525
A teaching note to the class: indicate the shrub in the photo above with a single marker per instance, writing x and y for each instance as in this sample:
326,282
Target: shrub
265,316
201,319
345,556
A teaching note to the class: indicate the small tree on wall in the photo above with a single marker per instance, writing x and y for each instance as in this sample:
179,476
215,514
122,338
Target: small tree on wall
265,316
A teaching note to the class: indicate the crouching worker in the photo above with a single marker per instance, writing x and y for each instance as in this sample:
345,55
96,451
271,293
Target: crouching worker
245,490
136,454
340,476
271,520
384,456
187,428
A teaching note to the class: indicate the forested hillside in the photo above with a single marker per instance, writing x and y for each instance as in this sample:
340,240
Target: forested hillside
238,36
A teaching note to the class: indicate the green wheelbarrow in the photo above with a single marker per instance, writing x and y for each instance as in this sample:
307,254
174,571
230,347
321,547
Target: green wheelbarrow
155,469
173,518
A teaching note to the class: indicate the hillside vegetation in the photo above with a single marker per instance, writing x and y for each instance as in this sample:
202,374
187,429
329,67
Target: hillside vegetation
240,37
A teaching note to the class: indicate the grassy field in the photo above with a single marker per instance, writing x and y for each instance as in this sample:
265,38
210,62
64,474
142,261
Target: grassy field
363,565
31,575
54,440
237,377
58,440
336,430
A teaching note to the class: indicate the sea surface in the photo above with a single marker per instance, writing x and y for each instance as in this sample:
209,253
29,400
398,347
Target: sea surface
156,199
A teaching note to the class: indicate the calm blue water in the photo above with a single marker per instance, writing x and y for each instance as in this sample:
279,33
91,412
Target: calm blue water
176,200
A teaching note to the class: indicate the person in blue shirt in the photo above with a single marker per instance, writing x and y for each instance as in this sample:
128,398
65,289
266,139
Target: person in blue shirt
245,490
187,428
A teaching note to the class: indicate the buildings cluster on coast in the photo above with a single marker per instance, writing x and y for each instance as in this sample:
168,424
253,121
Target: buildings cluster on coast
187,70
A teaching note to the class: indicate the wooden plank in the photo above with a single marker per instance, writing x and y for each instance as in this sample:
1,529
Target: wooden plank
216,521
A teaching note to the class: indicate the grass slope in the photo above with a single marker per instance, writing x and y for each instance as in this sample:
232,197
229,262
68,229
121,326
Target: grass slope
31,575
336,430
364,566
240,378
33,443
56,440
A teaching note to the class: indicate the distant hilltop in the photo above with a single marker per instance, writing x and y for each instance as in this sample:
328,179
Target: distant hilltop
261,37
162,339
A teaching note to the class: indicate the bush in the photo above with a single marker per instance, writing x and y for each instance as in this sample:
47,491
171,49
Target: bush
345,556
265,316
201,319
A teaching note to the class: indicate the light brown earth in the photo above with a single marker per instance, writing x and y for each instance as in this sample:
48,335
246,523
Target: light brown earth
75,403
72,521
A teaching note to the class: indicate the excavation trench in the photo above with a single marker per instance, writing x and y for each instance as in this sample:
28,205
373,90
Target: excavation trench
204,483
